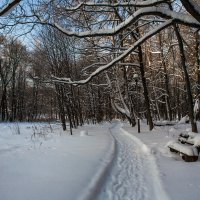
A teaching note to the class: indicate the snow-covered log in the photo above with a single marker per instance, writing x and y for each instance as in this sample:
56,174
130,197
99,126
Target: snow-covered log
184,149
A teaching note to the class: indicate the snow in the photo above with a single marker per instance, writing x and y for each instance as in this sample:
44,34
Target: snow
164,123
50,166
197,141
196,107
84,133
184,119
180,180
121,110
182,148
192,7
189,129
193,138
107,161
134,173
192,134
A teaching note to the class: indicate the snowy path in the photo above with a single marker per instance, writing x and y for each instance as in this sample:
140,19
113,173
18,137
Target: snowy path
133,175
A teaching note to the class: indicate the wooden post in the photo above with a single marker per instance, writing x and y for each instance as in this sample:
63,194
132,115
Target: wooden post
138,125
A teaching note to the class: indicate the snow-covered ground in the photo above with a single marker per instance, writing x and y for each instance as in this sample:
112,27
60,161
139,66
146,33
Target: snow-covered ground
181,180
110,161
49,166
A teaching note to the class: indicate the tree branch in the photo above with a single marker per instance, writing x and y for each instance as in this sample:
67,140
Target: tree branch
177,17
193,8
7,8
116,60
115,5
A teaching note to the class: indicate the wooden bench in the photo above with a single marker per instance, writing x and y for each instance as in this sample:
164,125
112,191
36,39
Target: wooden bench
187,146
188,153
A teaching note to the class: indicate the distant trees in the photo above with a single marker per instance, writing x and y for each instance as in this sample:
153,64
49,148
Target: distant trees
21,98
85,39
75,104
12,61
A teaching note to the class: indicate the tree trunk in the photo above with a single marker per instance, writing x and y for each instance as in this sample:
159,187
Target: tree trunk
187,80
197,51
146,94
167,97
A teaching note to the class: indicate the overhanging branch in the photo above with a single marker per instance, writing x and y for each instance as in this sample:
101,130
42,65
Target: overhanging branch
7,8
166,14
119,58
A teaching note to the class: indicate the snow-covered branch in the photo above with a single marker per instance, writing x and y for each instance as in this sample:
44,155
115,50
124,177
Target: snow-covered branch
116,60
124,111
8,7
119,4
167,14
193,8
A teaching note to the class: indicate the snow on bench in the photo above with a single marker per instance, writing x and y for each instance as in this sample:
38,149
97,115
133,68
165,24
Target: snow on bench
188,145
184,140
84,133
189,153
190,138
192,134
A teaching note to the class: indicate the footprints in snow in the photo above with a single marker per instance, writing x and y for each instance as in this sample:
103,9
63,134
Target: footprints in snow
125,180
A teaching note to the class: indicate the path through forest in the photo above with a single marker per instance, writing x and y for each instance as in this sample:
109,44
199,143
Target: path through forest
134,174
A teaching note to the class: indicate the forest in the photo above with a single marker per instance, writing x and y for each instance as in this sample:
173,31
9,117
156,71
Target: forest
99,99
93,61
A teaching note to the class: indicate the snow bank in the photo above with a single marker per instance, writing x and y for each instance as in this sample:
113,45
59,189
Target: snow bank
197,141
181,180
84,133
52,165
192,134
164,123
188,129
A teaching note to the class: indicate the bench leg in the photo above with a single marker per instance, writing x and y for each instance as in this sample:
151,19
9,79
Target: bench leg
173,150
187,158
